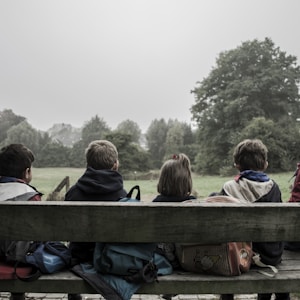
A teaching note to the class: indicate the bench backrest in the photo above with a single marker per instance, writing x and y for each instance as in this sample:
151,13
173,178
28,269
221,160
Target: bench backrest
149,222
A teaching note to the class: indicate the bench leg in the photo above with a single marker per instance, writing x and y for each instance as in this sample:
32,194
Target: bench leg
227,297
17,296
74,297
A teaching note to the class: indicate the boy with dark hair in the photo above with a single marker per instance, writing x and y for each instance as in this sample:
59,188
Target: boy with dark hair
253,185
101,181
15,176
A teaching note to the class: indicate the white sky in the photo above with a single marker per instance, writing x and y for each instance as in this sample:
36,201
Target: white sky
64,61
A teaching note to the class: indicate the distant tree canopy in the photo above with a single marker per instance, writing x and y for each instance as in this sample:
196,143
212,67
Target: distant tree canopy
252,92
53,153
131,128
132,157
94,129
7,120
167,138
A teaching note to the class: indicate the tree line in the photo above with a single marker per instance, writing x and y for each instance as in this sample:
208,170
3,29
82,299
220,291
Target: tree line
251,92
134,154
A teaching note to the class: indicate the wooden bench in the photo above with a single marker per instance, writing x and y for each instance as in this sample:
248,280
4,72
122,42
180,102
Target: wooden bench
157,222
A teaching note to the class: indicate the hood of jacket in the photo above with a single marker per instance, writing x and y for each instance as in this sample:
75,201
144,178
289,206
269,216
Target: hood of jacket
248,190
100,181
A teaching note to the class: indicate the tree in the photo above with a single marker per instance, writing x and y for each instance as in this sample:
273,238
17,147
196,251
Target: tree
25,134
53,154
132,157
256,79
77,155
95,129
174,138
132,128
7,120
156,139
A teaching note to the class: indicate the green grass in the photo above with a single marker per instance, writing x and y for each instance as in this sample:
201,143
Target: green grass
47,179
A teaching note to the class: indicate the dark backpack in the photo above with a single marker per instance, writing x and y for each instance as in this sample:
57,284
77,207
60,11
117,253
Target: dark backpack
13,264
133,261
295,197
295,193
50,257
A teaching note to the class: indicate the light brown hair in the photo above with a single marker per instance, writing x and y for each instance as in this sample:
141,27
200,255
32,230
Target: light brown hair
175,177
101,154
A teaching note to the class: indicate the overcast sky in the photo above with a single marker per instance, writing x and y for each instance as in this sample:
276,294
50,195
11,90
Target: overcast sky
65,61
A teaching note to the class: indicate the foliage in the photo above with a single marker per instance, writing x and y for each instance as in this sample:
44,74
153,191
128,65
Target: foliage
166,138
65,133
131,156
174,138
53,154
132,128
156,137
77,155
24,133
256,79
95,129
7,120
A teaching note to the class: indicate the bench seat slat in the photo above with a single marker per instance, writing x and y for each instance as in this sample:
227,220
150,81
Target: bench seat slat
179,282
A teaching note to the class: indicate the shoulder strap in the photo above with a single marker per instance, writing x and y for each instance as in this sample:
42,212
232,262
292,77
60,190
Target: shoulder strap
129,197
257,262
31,277
138,195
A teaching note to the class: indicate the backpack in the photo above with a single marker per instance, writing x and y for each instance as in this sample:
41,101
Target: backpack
133,261
295,197
227,259
115,287
129,196
295,193
13,264
50,257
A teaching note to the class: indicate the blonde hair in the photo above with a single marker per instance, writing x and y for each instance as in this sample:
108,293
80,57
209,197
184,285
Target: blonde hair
101,154
175,177
251,154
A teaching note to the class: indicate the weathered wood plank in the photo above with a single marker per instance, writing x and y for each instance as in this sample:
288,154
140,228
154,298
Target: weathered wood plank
287,280
148,222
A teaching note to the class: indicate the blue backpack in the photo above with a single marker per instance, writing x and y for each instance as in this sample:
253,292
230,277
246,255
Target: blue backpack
133,261
50,257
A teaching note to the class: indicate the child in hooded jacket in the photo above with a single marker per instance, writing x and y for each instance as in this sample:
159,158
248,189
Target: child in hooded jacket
15,177
101,181
252,184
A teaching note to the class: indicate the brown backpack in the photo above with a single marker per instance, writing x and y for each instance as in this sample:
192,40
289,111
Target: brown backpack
228,259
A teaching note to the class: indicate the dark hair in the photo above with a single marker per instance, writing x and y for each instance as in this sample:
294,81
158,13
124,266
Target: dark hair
14,160
251,155
175,177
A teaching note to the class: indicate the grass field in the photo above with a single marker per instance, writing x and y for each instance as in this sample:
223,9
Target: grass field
47,179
